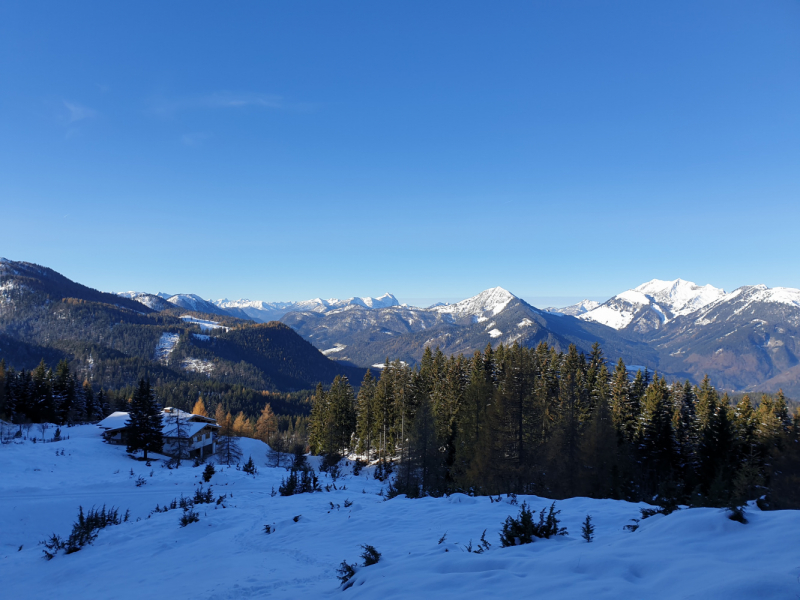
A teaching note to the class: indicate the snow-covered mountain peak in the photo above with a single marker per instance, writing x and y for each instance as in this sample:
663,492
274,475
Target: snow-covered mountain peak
659,300
385,301
680,296
573,310
490,301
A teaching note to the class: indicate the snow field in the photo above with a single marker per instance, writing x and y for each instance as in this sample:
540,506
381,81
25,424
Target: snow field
697,553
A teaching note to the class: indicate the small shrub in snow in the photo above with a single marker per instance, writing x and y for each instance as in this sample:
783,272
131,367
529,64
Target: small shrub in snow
140,481
203,497
383,470
208,472
345,572
189,516
299,482
633,526
250,467
358,465
587,531
370,555
523,529
348,503
268,529
331,465
84,530
736,513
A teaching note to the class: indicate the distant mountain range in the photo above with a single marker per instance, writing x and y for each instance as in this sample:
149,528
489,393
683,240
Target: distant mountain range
113,339
745,340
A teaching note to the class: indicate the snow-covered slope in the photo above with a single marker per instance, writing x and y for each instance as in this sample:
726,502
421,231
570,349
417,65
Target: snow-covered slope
653,304
697,553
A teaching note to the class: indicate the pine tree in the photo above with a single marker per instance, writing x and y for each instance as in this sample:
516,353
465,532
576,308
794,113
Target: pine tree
63,393
318,423
655,437
144,425
342,416
587,530
599,450
624,408
366,414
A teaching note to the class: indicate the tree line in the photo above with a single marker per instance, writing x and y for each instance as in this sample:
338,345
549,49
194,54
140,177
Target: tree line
561,424
49,395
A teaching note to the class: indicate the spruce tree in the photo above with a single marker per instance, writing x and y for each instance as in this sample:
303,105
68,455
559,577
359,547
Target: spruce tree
366,414
144,424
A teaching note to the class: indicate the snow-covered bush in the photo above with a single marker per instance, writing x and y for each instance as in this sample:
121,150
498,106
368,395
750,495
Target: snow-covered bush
84,530
523,529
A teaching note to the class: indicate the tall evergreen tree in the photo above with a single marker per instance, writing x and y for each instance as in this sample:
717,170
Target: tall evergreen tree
145,421
366,416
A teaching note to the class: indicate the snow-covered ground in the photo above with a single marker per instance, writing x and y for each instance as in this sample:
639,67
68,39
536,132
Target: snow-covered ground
696,553
166,344
204,324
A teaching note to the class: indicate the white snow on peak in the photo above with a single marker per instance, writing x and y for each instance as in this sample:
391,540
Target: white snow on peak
490,301
573,310
256,304
762,294
188,301
495,333
668,299
634,297
681,297
612,317
149,300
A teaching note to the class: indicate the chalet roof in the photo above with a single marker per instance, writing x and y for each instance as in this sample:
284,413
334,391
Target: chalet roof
190,423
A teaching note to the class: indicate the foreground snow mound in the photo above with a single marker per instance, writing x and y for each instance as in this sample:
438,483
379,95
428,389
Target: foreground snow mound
227,554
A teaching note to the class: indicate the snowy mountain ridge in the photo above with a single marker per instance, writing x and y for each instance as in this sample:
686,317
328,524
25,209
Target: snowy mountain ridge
573,310
653,304
486,304
657,302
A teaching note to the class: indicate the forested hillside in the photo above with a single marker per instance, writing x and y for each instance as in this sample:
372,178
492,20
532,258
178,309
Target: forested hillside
561,424
49,324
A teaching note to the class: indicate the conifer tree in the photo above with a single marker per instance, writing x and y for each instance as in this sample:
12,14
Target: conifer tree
144,424
624,407
366,414
63,393
655,437
599,450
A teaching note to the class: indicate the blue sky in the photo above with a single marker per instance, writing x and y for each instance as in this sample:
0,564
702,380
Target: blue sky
290,150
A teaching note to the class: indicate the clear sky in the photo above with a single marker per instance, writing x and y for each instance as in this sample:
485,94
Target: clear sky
288,150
